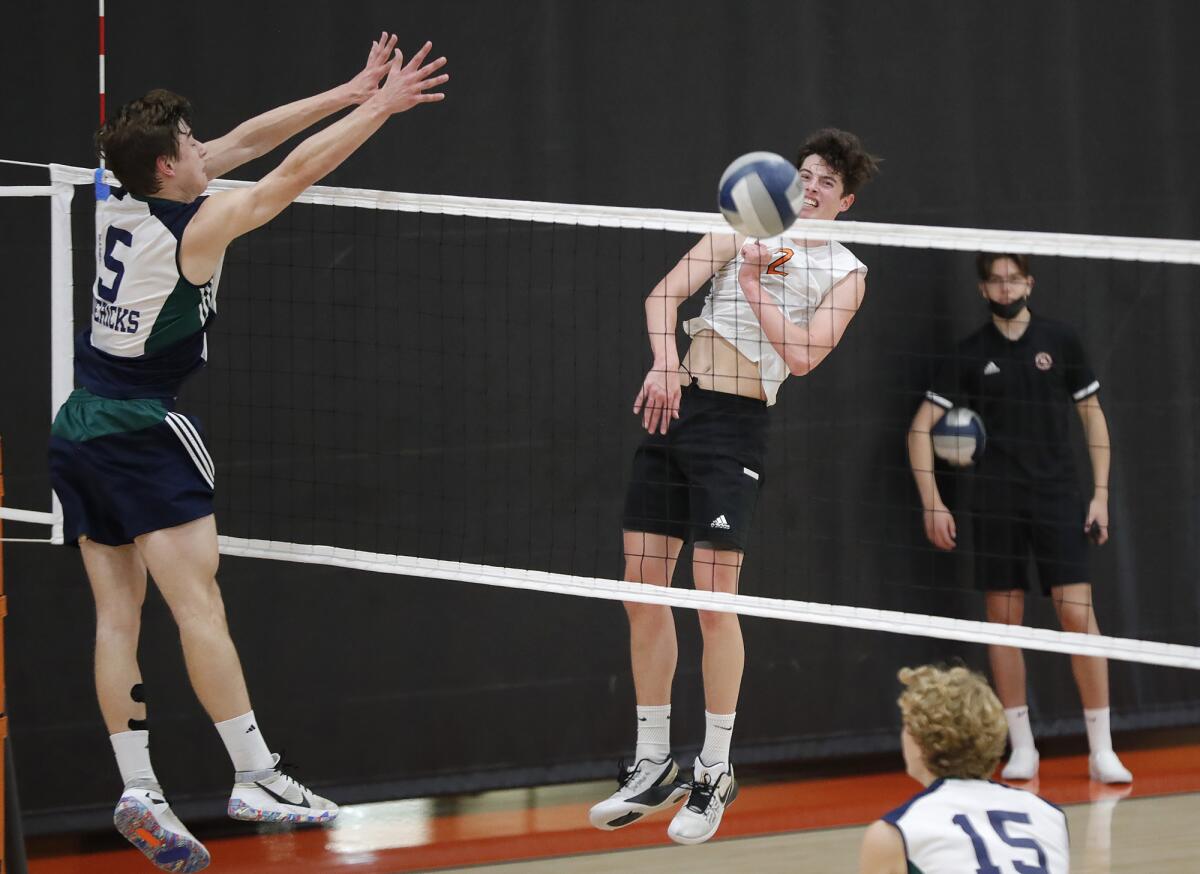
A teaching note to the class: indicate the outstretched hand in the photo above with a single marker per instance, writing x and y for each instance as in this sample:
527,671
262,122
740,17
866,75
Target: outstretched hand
366,83
409,84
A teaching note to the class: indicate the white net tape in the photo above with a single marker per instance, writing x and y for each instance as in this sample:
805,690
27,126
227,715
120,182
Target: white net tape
63,178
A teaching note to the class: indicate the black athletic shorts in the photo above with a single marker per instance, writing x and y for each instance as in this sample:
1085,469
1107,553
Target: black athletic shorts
1014,519
700,480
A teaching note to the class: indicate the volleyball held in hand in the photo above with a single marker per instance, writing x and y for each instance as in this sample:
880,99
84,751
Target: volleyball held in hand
760,194
959,437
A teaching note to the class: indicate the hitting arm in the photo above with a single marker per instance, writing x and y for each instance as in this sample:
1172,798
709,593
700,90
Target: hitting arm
801,348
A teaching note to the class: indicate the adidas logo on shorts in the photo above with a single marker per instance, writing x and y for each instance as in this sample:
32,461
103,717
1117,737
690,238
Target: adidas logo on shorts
719,522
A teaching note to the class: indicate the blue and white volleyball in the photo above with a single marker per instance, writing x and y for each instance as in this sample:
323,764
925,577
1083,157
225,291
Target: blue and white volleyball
760,194
959,437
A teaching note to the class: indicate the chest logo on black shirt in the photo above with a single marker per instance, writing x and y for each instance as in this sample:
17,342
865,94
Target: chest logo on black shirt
991,369
1043,361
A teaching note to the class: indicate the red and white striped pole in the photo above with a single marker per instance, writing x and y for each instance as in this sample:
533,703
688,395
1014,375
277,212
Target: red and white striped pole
102,113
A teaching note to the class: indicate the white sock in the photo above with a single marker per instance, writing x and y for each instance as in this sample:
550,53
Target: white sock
245,743
1099,735
653,733
132,749
718,732
1020,732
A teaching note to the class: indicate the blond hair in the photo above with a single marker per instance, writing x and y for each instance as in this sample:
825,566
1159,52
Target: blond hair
955,718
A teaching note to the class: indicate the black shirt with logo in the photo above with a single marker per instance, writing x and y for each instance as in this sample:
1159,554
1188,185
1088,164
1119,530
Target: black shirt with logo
1025,390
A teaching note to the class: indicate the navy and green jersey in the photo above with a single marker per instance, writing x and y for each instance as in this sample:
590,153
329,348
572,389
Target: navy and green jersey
148,322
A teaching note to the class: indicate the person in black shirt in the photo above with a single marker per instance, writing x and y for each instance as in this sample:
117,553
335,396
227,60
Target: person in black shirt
1022,373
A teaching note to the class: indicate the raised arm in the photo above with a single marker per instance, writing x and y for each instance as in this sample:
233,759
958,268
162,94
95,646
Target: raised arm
658,401
254,138
939,523
229,214
801,348
1095,430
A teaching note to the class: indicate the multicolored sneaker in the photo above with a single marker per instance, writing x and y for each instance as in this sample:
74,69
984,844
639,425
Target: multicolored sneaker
272,796
711,792
146,820
645,788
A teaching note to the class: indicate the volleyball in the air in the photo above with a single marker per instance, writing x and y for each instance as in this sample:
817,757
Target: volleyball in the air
760,194
959,437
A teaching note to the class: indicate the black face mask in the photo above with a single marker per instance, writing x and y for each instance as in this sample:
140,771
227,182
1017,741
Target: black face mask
1008,310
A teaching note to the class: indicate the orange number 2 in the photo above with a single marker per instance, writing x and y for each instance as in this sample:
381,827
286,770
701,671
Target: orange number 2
780,261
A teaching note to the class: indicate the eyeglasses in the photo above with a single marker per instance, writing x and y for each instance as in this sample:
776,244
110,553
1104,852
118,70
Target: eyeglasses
1010,281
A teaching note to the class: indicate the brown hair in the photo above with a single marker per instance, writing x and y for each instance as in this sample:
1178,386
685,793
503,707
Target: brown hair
985,260
955,718
141,132
843,152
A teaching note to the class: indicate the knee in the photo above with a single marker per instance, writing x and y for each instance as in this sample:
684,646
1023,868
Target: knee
1077,618
1005,611
203,606
119,615
647,569
714,623
124,620
647,615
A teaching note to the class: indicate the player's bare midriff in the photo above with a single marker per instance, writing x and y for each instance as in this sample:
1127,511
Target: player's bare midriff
716,365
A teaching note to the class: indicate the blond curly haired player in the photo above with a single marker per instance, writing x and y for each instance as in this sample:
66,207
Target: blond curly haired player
952,739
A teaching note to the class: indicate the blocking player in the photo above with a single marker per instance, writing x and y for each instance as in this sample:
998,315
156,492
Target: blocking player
133,475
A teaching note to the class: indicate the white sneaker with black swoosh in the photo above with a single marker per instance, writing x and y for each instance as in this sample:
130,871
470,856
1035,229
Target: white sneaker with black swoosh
272,796
645,788
711,792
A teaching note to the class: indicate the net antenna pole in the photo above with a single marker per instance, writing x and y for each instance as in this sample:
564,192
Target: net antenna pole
101,56
4,775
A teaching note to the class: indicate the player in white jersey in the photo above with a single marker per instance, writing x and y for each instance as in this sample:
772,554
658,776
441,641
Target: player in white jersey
777,307
134,476
953,738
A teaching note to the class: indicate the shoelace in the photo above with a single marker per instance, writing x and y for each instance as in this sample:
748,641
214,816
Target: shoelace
700,799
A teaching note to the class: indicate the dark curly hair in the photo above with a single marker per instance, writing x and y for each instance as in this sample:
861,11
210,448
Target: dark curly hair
844,152
141,132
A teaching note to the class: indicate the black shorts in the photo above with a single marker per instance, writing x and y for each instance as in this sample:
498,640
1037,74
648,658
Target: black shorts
1014,519
700,480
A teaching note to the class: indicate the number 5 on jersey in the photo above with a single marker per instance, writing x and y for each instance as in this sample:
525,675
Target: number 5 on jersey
115,235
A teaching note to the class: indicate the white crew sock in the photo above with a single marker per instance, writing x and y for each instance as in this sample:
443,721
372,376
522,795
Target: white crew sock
1098,732
718,732
245,743
1020,732
653,733
132,749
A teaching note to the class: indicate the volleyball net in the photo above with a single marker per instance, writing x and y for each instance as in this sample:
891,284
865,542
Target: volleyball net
442,387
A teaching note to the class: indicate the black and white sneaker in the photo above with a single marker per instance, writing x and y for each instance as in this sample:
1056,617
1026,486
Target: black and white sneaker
711,792
645,788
